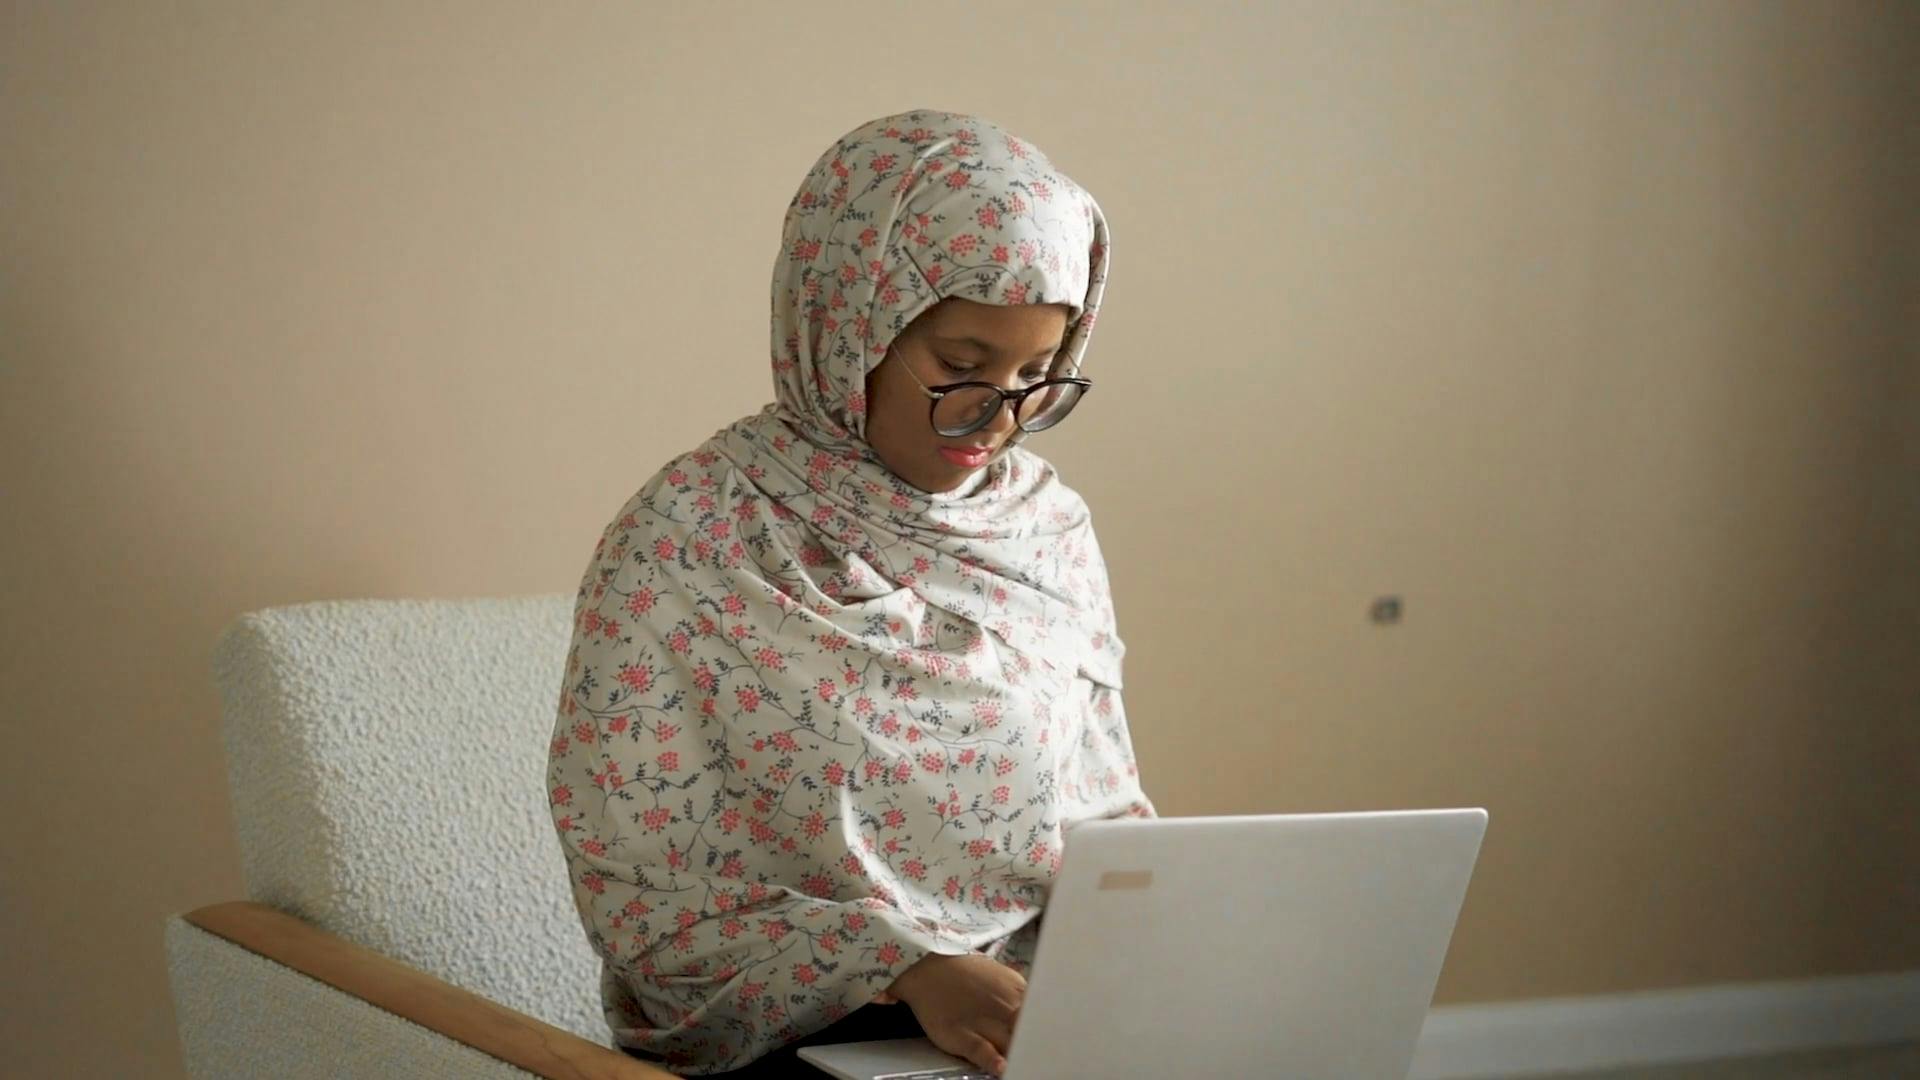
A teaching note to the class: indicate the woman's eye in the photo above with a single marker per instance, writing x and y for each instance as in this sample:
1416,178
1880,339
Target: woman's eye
1033,376
955,368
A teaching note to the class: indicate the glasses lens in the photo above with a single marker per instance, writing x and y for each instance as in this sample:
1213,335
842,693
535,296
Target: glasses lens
1048,405
966,410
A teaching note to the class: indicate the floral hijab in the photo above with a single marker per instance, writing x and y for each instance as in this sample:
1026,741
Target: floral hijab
818,723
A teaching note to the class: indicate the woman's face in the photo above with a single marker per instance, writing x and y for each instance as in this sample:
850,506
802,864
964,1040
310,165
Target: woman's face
954,341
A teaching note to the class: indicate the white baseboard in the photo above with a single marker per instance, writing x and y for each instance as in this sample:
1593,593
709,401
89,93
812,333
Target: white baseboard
1664,1026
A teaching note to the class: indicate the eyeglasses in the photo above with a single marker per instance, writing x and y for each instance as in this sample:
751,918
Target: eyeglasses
966,407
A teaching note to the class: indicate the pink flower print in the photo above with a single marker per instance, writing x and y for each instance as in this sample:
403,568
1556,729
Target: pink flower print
835,773
759,831
720,528
895,818
583,731
815,825
1041,191
999,902
967,755
1001,794
617,725
594,882
961,246
1017,292
732,867
664,549
562,796
1026,250
855,922
888,954
1002,766
733,604
565,824
952,888
679,642
1037,854
669,761
890,725
989,217
703,677
775,929
933,762
749,698
610,629
913,735
640,602
979,848
816,885
770,657
851,864
872,769
978,892
677,478
637,679
785,741
914,869
729,819
829,942
1016,204
903,770
957,179
731,929
881,163
656,819
593,847
932,275
999,253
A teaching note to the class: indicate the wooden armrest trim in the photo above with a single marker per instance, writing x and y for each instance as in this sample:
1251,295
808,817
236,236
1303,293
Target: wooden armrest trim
466,1017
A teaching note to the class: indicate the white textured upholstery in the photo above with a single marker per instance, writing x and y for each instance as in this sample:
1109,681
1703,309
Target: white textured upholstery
242,1015
388,767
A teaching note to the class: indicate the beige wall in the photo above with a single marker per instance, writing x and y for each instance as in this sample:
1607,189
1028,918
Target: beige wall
1587,328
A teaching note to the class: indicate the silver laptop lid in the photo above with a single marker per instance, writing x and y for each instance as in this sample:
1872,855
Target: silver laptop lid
1298,945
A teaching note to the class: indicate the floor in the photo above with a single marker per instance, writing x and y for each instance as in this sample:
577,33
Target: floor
1894,1061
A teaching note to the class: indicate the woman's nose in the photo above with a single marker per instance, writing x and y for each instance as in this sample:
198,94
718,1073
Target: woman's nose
1002,424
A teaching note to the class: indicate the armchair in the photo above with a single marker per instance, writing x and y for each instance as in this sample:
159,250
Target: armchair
407,911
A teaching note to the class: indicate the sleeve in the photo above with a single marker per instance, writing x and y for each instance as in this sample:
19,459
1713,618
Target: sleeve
1101,766
718,943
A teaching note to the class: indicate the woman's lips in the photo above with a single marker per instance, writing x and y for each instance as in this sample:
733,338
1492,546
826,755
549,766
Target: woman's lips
968,458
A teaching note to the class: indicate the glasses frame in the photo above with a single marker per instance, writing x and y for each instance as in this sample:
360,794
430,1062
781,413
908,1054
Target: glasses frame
1018,397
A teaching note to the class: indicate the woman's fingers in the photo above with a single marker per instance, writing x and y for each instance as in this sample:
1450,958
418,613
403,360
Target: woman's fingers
986,1055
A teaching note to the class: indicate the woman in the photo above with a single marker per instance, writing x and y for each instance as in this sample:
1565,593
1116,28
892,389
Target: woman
842,677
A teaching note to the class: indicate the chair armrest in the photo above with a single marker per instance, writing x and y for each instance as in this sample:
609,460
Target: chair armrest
466,1017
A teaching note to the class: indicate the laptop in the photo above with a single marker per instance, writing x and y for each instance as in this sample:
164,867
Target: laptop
1297,945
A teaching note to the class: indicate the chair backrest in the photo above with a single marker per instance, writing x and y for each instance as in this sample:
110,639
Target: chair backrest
388,765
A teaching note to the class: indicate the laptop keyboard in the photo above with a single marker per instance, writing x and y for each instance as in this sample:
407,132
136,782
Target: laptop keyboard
958,1072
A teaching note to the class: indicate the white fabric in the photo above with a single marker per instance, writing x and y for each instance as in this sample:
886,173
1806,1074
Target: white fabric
385,759
243,1016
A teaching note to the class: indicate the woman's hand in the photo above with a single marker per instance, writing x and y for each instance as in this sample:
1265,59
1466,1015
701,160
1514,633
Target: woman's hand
968,1005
